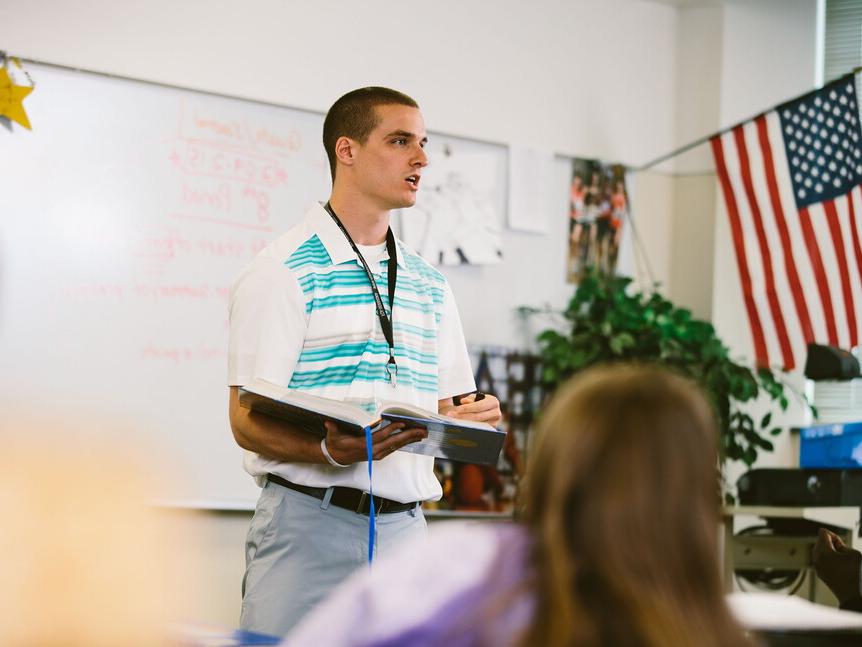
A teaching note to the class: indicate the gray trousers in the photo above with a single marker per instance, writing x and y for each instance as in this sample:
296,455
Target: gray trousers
296,552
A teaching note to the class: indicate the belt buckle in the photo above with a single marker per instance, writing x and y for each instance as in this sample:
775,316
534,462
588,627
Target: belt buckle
361,503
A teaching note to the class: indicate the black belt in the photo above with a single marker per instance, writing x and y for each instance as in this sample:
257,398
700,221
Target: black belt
347,497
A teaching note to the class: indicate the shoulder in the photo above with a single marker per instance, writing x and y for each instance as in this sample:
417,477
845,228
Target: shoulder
280,266
419,266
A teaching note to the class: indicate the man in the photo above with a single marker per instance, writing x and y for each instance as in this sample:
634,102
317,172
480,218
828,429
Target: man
306,313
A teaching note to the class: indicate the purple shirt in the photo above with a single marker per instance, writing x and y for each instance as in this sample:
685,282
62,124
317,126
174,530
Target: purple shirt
465,584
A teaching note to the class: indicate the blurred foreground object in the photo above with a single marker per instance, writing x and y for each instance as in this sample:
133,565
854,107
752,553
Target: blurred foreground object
84,560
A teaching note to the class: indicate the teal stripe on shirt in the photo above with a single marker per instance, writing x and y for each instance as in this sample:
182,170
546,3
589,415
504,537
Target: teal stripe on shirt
357,349
363,371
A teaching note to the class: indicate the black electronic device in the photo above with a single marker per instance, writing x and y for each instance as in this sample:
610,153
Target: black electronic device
830,363
800,487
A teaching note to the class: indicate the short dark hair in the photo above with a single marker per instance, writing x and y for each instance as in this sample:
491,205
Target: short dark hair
353,116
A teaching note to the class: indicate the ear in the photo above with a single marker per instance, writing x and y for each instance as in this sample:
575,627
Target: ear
345,150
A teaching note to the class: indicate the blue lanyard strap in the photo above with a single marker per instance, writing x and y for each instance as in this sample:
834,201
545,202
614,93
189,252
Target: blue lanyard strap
371,512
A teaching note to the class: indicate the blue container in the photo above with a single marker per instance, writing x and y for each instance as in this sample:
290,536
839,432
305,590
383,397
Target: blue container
831,446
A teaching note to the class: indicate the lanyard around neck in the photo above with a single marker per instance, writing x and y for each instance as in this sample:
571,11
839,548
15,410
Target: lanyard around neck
391,272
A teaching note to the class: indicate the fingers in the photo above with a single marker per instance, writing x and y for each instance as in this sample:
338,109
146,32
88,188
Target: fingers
484,410
394,442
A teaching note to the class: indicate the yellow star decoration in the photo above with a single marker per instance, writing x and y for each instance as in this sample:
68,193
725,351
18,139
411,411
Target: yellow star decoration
11,97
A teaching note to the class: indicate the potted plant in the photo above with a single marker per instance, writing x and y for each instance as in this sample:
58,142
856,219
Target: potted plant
606,322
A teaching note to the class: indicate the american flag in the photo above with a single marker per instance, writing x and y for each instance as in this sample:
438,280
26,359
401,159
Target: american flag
791,184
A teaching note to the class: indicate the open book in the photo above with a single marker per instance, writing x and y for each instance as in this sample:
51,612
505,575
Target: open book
450,438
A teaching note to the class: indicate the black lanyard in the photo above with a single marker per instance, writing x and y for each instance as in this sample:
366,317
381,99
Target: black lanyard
392,273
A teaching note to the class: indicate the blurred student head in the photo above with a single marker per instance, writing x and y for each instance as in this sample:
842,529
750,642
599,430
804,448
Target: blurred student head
622,501
84,560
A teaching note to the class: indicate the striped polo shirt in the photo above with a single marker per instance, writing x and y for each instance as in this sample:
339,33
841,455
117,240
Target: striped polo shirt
302,314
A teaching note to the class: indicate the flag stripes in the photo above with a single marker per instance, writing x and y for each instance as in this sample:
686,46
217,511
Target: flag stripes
800,268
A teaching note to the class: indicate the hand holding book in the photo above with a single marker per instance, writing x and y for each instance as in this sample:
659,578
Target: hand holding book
477,406
347,448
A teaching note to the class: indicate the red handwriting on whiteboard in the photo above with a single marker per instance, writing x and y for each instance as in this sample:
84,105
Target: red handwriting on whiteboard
167,245
157,292
217,199
182,354
260,199
290,143
210,160
231,130
162,245
222,248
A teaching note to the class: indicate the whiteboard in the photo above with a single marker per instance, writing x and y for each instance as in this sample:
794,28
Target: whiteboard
126,214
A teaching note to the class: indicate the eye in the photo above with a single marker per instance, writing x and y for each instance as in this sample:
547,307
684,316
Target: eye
401,141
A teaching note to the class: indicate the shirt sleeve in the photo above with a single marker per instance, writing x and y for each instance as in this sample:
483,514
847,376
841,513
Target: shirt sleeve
454,373
267,324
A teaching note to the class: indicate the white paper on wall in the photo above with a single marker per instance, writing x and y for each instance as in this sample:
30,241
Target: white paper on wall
458,217
531,189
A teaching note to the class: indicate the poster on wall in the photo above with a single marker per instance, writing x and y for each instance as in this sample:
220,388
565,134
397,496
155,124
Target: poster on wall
459,212
598,211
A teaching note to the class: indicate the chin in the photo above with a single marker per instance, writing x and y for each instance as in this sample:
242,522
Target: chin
403,203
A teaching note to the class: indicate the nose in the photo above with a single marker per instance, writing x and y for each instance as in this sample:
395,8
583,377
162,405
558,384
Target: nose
421,158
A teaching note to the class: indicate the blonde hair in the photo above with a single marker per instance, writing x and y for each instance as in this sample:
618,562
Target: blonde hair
622,500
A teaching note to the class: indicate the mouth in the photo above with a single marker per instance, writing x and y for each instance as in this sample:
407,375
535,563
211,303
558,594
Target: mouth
413,181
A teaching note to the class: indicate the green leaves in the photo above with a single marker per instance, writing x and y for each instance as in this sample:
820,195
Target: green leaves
611,322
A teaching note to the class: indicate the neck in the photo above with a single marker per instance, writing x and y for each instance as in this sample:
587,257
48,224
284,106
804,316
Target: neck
366,224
